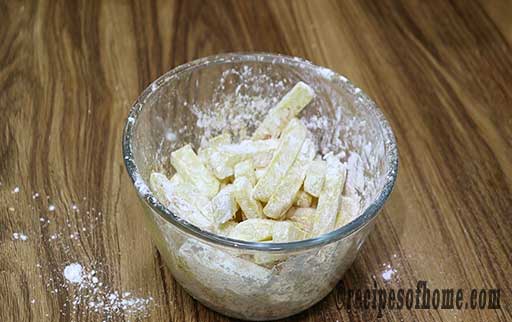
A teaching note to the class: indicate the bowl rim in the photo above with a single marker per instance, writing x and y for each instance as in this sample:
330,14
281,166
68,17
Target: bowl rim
147,196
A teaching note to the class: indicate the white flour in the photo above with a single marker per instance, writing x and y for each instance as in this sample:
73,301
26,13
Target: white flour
388,274
20,236
80,281
100,298
73,273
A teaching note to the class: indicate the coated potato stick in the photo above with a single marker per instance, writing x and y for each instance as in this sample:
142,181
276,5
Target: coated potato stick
329,200
224,205
287,108
253,229
315,177
244,197
285,155
182,199
223,158
190,167
284,195
246,169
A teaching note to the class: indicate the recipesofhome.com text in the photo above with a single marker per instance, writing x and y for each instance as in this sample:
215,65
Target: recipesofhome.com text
420,298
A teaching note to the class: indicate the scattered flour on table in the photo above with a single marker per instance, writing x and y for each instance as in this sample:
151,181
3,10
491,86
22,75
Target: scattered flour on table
73,273
19,236
97,296
388,274
81,281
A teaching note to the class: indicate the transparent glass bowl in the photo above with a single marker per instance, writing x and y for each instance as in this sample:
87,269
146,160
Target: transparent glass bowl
232,92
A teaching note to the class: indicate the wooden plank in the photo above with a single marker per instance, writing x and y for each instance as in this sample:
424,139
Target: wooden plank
440,70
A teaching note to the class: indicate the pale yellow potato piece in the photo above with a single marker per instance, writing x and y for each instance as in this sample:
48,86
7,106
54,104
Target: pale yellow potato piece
224,138
183,200
284,195
262,160
303,199
177,179
267,259
349,209
178,186
302,217
224,205
190,167
246,169
287,108
329,200
244,197
259,173
226,228
253,229
282,232
286,231
223,158
315,177
355,175
203,152
285,155
218,270
220,164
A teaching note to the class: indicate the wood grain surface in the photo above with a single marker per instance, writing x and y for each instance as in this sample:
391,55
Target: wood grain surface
69,70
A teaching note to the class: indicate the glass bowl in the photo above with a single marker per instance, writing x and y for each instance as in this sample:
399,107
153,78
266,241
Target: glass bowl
233,92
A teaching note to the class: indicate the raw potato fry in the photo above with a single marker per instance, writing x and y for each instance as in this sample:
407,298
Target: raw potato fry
286,231
266,258
224,138
349,209
284,195
302,217
282,232
224,157
303,199
177,179
355,175
329,200
203,152
262,160
315,177
226,228
246,169
161,186
183,200
224,205
159,181
259,173
253,230
287,108
285,155
244,197
188,165
219,270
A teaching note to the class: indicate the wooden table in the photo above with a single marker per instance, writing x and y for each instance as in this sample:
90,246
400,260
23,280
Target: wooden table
440,70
